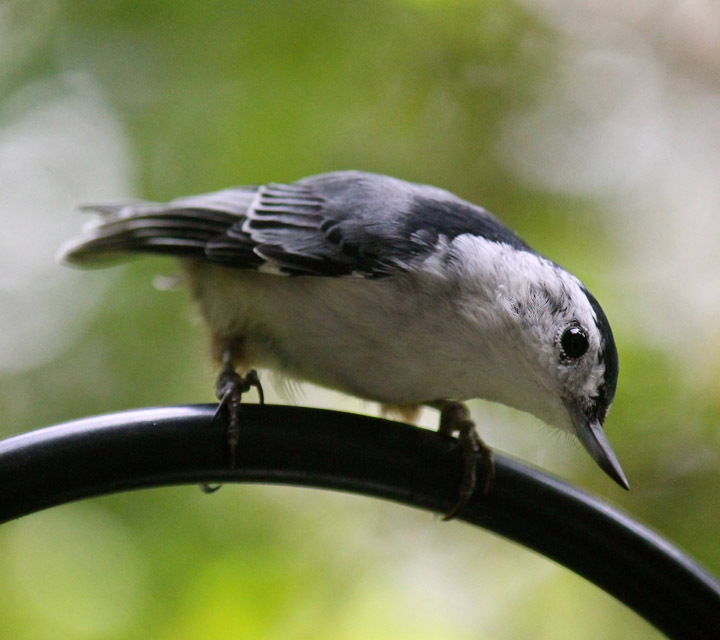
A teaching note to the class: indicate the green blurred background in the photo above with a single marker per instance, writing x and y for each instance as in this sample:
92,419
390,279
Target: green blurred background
592,128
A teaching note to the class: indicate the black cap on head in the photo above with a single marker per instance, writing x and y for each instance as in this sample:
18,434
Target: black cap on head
608,356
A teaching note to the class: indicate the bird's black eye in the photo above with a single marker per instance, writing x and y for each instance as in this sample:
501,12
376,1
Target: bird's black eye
573,343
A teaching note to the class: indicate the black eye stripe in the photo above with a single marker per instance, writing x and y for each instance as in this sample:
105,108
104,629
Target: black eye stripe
573,343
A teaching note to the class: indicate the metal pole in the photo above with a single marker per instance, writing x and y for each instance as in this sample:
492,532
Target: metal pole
347,452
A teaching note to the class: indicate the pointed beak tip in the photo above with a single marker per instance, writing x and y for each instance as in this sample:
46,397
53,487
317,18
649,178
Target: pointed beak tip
621,479
595,442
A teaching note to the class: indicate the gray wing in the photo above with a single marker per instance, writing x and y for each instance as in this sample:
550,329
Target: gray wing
331,225
353,223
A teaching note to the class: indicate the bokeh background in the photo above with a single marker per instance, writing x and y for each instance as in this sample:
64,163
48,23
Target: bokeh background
591,127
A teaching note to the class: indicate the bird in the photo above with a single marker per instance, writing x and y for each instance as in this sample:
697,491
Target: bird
387,290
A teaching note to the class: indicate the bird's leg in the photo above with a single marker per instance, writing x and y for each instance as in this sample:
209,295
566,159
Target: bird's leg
229,387
455,418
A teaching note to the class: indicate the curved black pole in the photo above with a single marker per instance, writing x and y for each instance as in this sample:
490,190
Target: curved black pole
317,448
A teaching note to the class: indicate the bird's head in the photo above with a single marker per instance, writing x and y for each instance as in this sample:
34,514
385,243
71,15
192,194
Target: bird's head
574,358
553,348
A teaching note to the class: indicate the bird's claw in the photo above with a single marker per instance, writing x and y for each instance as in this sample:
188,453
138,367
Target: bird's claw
455,418
229,389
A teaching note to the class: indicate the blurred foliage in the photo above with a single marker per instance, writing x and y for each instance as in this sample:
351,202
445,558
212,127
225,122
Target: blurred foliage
180,97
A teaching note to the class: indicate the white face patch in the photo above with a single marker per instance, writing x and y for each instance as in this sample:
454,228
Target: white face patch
534,301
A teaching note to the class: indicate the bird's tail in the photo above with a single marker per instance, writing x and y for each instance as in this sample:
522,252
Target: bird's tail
182,227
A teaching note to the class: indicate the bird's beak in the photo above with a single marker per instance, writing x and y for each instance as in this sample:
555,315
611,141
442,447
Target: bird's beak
592,436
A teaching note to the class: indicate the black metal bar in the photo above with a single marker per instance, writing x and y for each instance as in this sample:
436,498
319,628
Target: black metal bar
316,448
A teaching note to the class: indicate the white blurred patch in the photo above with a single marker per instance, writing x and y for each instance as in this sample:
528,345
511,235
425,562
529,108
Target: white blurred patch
633,119
60,146
601,128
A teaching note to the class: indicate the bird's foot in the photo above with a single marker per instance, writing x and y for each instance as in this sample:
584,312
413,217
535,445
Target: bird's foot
229,388
455,418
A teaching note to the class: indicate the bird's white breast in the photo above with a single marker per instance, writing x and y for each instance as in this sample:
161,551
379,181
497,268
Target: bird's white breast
411,338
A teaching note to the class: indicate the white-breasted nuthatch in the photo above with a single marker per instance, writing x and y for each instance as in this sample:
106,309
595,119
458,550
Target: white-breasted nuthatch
395,292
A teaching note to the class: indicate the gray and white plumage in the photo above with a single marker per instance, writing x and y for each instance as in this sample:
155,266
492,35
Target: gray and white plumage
395,292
